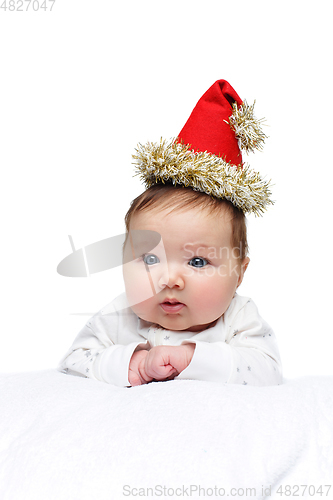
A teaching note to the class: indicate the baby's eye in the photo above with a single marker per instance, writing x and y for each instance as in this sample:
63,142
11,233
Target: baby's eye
198,262
150,259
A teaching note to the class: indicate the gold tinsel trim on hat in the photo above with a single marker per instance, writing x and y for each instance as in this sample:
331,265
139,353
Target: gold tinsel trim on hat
247,127
174,162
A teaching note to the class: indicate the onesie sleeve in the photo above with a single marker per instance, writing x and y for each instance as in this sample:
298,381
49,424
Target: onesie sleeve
248,355
103,348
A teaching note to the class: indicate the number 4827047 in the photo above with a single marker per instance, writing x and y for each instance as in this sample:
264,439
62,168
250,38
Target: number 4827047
24,5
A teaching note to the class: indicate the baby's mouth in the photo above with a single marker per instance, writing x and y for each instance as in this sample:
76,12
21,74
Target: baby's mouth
172,305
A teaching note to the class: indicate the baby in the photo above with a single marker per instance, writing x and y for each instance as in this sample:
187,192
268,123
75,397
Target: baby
181,316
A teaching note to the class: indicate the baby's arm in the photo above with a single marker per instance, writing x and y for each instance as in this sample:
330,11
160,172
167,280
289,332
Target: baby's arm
88,357
103,348
160,363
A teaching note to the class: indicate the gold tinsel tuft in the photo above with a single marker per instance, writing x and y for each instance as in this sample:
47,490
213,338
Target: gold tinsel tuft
247,127
174,162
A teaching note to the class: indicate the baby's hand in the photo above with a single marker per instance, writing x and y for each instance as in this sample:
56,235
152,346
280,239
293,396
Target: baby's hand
160,363
166,362
136,370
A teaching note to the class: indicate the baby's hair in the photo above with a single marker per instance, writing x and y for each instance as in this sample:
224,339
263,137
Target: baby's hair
164,196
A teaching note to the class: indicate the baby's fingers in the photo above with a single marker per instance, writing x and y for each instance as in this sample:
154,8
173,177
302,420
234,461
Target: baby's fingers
160,372
136,372
134,379
139,377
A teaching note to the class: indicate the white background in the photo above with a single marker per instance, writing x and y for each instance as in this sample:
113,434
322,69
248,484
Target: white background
82,85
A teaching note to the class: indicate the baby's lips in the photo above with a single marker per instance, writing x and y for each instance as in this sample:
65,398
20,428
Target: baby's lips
172,307
171,301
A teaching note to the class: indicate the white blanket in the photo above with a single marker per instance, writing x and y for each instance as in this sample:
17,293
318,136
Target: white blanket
71,438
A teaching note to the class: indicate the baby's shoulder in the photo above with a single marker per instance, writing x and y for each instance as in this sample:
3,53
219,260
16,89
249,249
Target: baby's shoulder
114,316
119,305
240,301
241,305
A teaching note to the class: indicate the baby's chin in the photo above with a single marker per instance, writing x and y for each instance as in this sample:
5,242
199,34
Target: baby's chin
200,328
193,328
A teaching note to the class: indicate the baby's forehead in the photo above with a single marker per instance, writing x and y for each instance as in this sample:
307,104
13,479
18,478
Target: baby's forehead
173,213
179,228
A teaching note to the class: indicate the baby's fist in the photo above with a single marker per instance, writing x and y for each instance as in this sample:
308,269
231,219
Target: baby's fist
166,362
136,370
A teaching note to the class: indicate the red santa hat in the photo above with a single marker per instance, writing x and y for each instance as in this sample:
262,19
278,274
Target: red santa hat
207,152
208,129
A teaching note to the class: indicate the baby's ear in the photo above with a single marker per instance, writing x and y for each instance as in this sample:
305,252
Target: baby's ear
244,265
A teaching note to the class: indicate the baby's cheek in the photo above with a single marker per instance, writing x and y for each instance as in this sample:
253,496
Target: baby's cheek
213,295
205,296
137,285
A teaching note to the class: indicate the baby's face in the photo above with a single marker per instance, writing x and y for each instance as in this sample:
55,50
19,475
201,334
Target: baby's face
188,281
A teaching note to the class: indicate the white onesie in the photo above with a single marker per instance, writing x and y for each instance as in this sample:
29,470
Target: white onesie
240,348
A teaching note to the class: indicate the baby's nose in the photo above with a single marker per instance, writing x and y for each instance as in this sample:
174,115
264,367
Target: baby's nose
172,276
